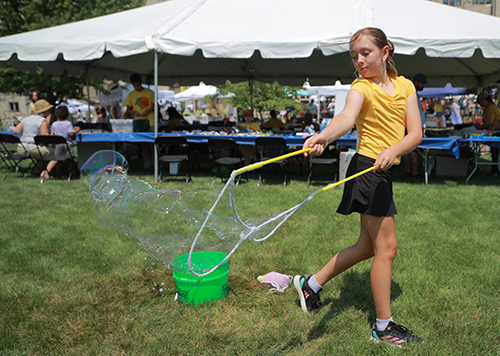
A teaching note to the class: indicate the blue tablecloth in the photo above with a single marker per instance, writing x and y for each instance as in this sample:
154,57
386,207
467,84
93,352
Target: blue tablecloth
442,143
448,144
291,140
490,141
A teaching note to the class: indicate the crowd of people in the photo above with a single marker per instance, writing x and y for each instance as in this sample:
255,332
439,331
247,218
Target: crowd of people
140,105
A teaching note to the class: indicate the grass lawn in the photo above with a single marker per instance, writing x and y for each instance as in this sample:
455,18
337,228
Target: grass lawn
69,286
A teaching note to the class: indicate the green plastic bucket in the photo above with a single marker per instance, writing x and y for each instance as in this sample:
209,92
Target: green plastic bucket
196,290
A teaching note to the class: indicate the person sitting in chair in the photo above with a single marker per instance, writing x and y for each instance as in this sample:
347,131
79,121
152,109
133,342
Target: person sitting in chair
33,125
62,127
274,123
175,119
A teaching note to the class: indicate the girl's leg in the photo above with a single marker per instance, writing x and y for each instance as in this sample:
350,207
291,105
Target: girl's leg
51,166
383,234
348,257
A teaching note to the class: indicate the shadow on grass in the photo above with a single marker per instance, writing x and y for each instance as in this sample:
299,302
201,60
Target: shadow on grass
356,293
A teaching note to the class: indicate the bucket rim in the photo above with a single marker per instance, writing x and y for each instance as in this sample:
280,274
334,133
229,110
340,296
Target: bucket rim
183,259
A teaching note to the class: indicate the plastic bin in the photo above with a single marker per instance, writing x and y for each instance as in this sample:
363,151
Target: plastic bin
345,159
121,125
451,166
140,125
174,168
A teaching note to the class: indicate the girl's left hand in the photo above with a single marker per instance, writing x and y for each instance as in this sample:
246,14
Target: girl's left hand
385,160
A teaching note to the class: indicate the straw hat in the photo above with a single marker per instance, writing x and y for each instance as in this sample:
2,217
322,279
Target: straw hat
481,97
42,105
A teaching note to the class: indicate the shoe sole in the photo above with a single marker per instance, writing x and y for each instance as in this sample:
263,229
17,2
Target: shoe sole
379,341
296,283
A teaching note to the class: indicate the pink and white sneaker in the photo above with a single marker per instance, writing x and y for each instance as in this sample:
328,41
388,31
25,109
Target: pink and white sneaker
395,335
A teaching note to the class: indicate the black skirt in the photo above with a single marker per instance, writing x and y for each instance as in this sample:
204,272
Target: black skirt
370,193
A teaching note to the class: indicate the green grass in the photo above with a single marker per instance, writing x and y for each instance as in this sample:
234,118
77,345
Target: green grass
69,286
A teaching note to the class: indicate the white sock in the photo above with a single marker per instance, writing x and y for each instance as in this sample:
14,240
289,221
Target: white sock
314,285
382,324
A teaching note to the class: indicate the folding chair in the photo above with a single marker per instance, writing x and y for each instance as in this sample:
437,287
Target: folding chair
271,147
12,158
327,158
62,150
224,152
167,147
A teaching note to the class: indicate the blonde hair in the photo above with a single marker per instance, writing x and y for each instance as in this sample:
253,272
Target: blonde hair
378,37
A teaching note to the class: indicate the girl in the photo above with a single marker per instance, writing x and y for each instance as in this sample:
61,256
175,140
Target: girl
381,104
61,127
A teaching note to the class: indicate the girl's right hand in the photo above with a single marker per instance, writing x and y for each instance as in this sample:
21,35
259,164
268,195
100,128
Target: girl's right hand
317,143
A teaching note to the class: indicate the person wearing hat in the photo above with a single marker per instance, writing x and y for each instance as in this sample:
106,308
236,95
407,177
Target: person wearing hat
35,124
491,122
248,120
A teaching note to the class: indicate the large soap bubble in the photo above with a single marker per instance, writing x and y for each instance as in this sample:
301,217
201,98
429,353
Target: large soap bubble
169,223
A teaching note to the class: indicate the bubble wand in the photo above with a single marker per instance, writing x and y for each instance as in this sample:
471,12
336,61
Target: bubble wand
250,230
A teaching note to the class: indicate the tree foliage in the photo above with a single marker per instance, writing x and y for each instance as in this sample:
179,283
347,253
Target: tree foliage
54,88
263,97
27,15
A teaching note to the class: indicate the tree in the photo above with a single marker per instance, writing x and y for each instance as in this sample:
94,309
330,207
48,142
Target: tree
262,96
27,15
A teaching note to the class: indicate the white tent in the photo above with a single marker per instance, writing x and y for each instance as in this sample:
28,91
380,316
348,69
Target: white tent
325,90
187,41
338,90
198,92
74,105
195,40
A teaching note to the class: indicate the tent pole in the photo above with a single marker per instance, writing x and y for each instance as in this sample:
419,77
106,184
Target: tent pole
156,113
251,92
88,90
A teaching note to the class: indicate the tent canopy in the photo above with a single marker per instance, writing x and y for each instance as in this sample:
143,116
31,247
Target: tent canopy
205,40
325,90
448,90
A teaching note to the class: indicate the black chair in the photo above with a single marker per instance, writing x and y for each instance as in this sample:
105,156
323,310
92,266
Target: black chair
272,147
224,152
169,151
12,158
327,158
61,148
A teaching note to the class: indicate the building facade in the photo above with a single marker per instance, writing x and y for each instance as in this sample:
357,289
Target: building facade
487,7
13,107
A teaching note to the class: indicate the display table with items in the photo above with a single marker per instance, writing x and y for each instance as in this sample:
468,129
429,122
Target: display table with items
91,143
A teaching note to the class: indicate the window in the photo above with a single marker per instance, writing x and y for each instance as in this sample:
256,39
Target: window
474,2
445,2
14,106
481,2
452,2
459,2
488,1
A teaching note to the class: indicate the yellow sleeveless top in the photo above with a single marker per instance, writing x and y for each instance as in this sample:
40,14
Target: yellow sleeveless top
382,120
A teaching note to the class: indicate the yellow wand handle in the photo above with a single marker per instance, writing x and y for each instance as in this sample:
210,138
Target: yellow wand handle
253,166
333,185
